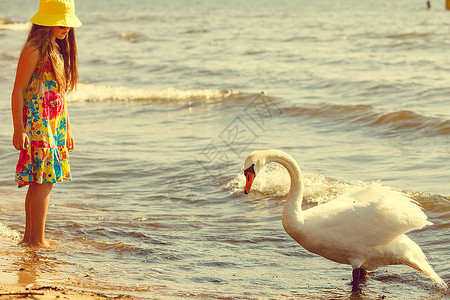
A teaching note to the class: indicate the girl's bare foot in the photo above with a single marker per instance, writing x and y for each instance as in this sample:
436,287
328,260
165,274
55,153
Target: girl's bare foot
45,244
41,244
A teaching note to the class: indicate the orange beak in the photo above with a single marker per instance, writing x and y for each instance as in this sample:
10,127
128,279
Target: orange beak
248,182
249,176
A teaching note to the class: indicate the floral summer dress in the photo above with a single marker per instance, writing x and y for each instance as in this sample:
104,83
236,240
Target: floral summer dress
44,115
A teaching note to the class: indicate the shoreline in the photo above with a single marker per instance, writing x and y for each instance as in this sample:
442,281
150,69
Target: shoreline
14,291
10,288
21,281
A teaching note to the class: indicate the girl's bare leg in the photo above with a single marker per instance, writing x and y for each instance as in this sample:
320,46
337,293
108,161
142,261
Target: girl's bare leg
26,237
39,199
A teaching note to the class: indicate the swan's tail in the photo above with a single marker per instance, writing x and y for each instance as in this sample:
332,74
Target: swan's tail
426,269
416,258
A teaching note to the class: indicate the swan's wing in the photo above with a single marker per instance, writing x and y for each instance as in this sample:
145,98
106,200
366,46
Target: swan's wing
368,193
373,216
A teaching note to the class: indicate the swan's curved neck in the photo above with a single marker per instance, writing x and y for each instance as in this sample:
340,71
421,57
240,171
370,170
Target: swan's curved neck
292,212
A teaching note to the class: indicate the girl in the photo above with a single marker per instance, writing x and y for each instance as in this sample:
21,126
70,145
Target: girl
46,71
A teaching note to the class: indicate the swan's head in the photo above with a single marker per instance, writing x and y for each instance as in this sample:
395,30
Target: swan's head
253,164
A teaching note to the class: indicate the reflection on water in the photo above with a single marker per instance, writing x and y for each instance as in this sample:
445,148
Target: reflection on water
30,265
26,265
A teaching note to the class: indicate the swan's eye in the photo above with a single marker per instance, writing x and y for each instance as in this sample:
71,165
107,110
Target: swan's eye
250,170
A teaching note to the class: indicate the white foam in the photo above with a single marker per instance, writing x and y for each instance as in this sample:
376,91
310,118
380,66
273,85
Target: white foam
6,232
274,180
15,26
86,92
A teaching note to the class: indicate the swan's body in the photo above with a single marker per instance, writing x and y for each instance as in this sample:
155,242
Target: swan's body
365,229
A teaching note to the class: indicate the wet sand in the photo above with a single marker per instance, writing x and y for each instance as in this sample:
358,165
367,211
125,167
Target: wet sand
11,289
20,281
15,291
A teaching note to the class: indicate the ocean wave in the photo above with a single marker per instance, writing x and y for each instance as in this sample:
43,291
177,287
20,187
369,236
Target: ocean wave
6,56
392,122
409,35
8,233
6,24
95,93
4,21
131,36
194,31
274,181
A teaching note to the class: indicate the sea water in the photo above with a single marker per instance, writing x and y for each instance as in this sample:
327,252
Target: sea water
174,95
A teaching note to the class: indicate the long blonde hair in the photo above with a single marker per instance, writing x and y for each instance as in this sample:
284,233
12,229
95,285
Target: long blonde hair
40,37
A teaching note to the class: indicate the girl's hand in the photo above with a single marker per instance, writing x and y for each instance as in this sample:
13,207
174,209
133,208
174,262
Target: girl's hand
70,142
21,140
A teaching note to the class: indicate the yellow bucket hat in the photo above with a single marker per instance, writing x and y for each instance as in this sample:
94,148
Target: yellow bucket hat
56,13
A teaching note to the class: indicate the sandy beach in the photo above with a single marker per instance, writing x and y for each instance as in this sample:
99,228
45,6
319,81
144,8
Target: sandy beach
20,279
15,291
11,289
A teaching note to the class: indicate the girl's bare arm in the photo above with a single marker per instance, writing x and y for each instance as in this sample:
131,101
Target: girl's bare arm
27,64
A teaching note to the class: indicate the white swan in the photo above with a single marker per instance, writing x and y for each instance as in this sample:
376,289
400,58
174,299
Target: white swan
365,229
